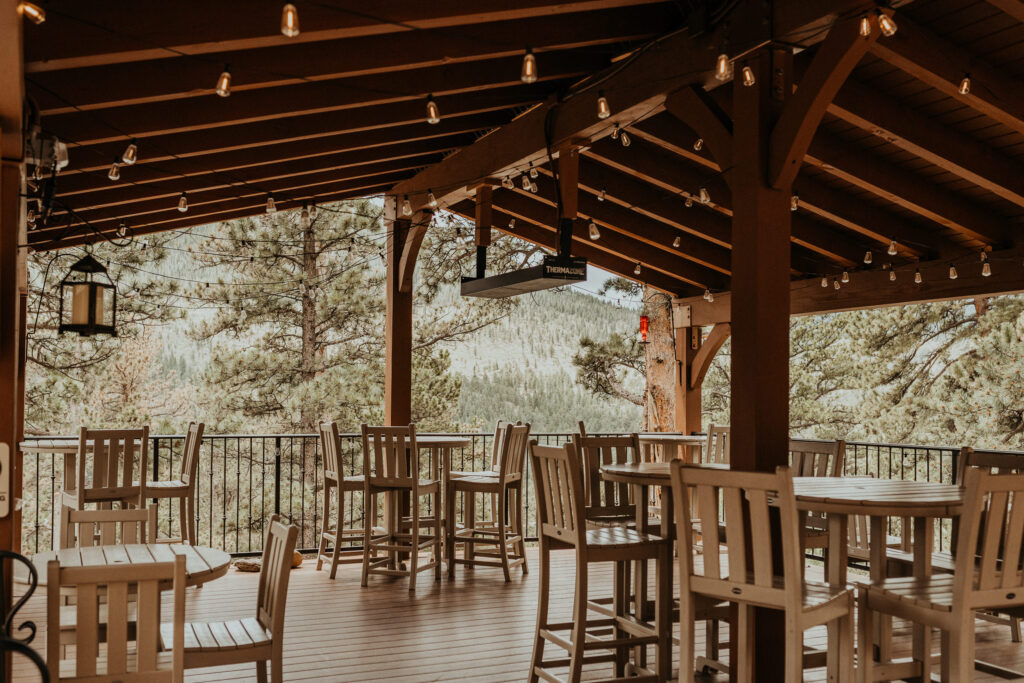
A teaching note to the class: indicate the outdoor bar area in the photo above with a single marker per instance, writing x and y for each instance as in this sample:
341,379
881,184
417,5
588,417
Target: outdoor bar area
752,161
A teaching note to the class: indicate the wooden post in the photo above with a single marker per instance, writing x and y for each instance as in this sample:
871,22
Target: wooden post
484,221
398,326
760,306
688,398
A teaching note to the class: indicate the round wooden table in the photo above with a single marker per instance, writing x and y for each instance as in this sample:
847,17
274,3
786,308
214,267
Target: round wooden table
68,446
202,564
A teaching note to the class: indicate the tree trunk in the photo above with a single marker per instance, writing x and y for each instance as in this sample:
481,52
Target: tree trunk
659,355
309,354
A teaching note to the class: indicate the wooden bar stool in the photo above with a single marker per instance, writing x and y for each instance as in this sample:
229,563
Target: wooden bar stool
561,524
506,533
183,488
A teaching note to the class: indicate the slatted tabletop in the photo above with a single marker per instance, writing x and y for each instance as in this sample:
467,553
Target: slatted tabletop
59,446
202,564
647,473
442,441
865,496
672,439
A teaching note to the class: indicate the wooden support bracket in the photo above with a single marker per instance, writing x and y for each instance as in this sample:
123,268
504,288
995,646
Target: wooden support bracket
702,360
418,225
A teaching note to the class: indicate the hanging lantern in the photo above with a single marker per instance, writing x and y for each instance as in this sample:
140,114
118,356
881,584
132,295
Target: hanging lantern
645,324
91,300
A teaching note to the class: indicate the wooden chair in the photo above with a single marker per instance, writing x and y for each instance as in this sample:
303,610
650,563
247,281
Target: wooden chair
333,533
130,627
507,534
748,578
561,524
253,639
607,503
184,487
816,459
493,470
111,478
719,440
84,528
391,467
991,529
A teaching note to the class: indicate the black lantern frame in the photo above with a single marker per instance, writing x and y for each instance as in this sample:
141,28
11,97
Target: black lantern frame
82,280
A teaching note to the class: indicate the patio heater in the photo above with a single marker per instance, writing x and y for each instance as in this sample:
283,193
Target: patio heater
90,297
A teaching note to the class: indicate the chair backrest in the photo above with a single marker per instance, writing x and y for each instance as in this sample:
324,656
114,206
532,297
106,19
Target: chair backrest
994,462
108,527
992,526
497,446
330,443
719,440
817,458
190,453
112,454
605,498
514,444
274,573
558,486
388,453
116,583
582,430
745,501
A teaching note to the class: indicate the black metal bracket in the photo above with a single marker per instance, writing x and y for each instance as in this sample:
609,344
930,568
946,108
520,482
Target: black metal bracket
8,641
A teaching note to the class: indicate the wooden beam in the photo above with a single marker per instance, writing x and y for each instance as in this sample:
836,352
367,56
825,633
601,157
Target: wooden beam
873,289
1012,7
694,107
397,326
833,61
688,409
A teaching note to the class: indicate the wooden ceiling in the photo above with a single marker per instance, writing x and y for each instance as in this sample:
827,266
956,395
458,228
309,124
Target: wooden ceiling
339,112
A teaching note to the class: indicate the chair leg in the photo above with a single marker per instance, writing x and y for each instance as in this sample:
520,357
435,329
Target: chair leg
450,526
190,506
620,602
687,640
368,516
517,516
961,648
182,522
544,586
500,518
469,549
579,622
261,671
1015,629
414,552
744,644
794,651
276,668
324,526
663,613
438,534
865,642
339,526
844,648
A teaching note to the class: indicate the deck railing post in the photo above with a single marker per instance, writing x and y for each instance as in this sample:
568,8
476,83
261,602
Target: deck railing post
277,475
156,461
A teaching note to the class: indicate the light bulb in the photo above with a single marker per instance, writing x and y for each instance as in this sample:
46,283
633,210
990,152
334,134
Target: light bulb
625,139
865,26
846,276
533,188
122,229
748,76
824,282
271,206
707,293
615,132
131,153
794,201
952,272
892,274
224,81
290,21
723,67
433,113
533,171
603,110
305,212
711,297
526,182
986,267
636,271
917,277
893,250
705,198
689,202
835,284
886,24
594,232
431,199
965,84
698,144
114,173
529,74
601,196
183,203
406,206
507,183
867,257
511,223
677,241
35,13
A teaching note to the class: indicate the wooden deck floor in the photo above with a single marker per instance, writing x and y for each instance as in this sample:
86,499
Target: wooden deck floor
478,628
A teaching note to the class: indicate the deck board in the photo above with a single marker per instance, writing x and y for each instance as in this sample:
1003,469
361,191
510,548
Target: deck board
476,628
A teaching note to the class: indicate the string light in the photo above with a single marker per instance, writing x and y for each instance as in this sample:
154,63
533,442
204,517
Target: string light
529,73
304,215
689,202
711,297
290,21
433,113
533,171
986,267
131,153
603,110
892,274
893,250
965,84
917,277
406,205
794,201
835,283
846,276
748,76
593,231
952,272
183,203
625,139
533,188
122,228
636,271
431,199
867,257
677,241
698,144
35,13
114,174
707,295
723,68
865,26
507,183
600,197
224,82
615,132
511,223
526,182
886,24
705,197
824,281
271,206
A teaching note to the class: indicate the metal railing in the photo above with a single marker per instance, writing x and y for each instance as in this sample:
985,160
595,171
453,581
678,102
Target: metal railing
243,478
